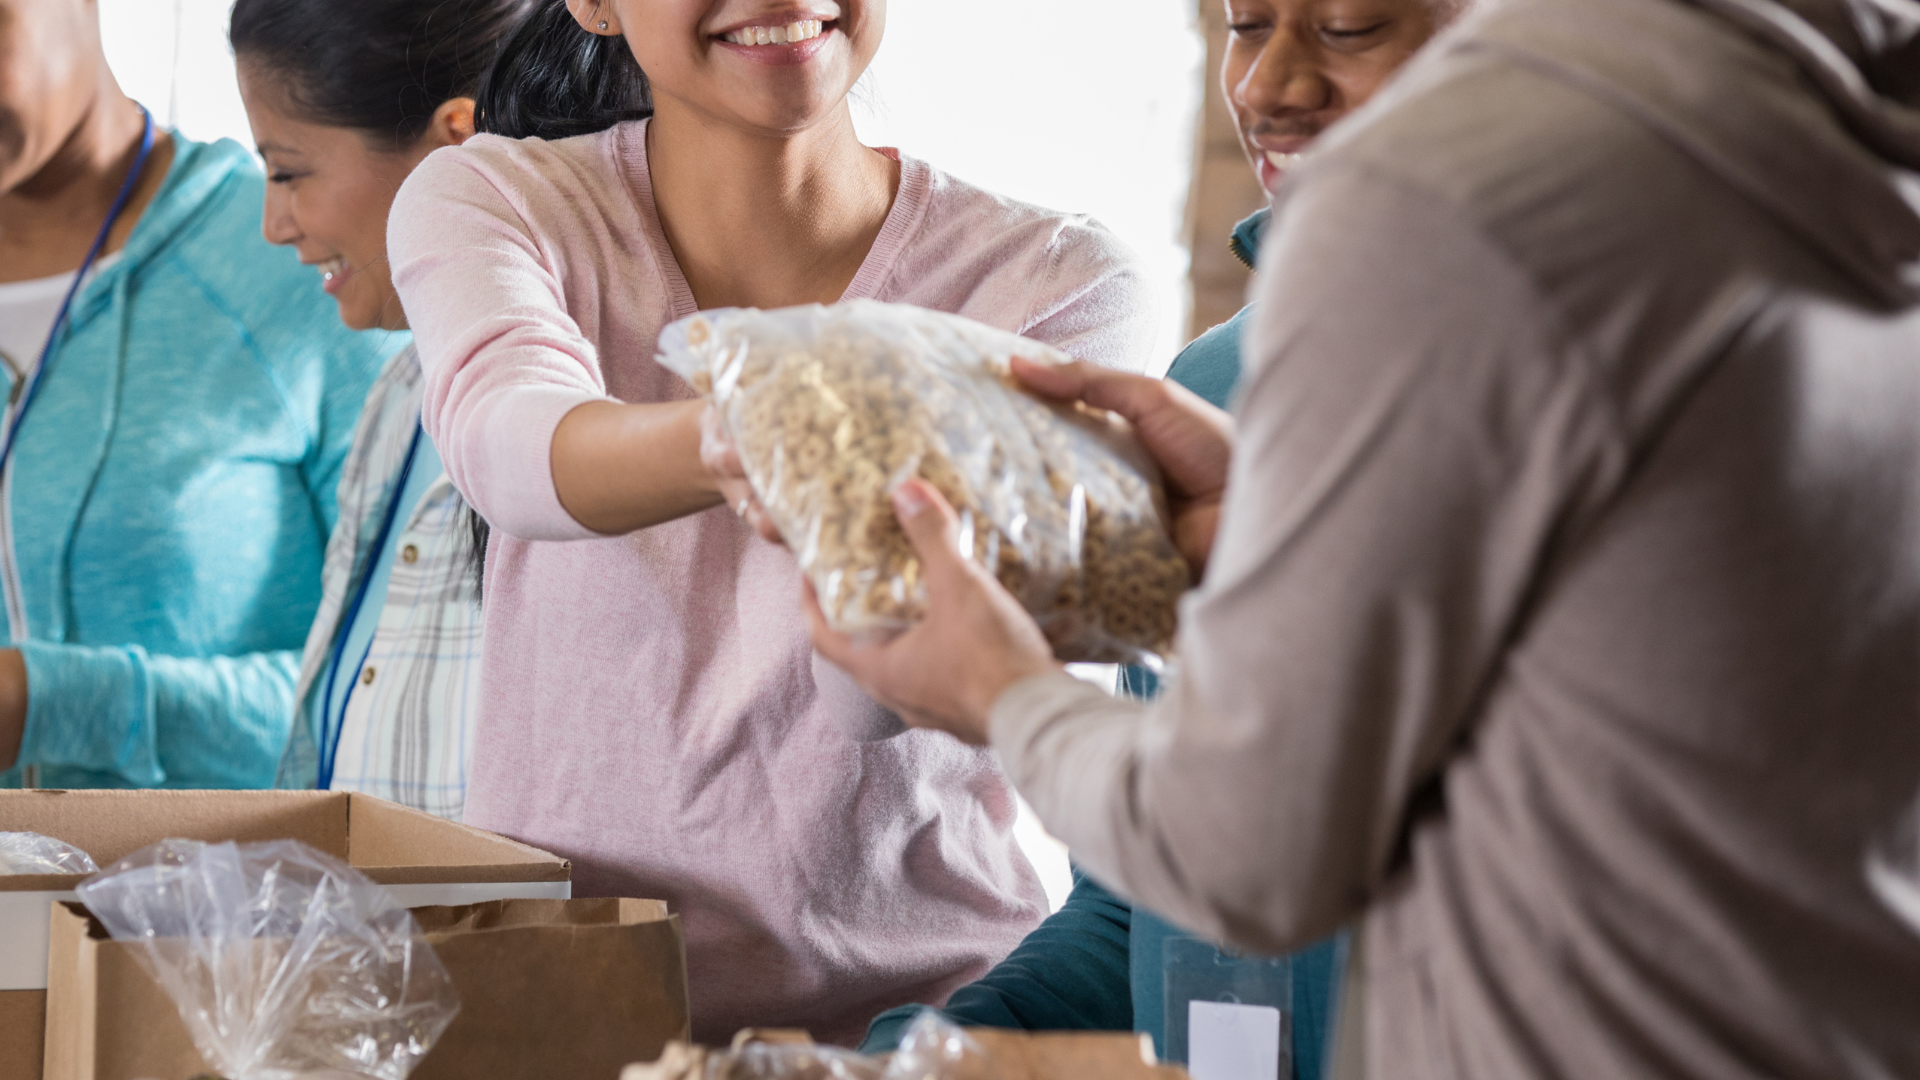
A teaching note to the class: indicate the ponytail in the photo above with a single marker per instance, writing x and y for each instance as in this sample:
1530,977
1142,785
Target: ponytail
552,80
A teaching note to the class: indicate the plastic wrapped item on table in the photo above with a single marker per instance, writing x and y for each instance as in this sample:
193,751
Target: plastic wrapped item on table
284,962
831,408
759,1055
933,1049
31,853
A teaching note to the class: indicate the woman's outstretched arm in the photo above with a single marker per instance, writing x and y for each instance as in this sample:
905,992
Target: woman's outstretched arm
596,449
516,399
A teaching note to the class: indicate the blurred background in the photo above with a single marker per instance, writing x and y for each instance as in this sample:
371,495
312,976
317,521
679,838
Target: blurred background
1106,109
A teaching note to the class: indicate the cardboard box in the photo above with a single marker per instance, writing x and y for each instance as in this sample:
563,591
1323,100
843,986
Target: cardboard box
570,988
1008,1055
424,859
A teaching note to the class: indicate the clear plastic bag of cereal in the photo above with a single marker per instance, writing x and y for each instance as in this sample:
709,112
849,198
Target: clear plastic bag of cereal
830,408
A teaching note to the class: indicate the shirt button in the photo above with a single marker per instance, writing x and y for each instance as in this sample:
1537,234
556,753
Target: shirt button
409,554
366,675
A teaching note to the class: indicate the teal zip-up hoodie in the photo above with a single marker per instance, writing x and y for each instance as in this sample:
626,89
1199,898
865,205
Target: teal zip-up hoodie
171,491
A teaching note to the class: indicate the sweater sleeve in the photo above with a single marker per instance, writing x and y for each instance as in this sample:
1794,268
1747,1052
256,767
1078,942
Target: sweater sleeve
504,361
1395,484
146,721
1070,974
1093,302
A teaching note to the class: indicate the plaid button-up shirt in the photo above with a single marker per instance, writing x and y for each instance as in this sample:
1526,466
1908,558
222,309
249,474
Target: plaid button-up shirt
408,733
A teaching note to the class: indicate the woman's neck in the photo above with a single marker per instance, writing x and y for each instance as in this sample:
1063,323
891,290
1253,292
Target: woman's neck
757,221
50,219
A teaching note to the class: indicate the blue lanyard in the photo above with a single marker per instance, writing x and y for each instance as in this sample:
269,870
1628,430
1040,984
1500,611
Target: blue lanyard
79,278
331,725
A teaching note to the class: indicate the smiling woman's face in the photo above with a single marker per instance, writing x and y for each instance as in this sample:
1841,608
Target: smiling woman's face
328,193
772,66
1294,67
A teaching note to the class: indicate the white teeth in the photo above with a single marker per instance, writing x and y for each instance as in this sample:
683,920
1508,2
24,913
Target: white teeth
1285,162
791,34
331,268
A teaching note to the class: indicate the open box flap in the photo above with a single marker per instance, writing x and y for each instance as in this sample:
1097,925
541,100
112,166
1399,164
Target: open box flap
510,914
388,842
423,859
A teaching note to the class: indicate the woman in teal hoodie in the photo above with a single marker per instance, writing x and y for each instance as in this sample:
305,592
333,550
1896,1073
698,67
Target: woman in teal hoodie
172,440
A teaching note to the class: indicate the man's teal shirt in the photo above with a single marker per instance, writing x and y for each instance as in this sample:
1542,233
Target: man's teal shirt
171,492
1210,364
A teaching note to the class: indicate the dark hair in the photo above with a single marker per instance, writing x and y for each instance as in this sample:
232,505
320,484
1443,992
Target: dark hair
553,80
379,66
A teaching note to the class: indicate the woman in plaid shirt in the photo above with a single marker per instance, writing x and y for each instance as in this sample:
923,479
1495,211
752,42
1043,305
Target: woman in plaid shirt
345,97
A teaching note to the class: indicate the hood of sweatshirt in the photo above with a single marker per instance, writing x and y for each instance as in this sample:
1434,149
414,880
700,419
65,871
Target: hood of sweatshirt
1862,55
1809,107
186,196
1245,241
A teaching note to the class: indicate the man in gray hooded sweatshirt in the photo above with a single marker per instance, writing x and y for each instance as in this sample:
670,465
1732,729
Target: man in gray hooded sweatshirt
1562,624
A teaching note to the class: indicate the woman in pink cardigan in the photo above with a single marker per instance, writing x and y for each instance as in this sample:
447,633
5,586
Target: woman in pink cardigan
651,706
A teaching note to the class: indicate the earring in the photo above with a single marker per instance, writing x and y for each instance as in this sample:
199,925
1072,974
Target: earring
603,25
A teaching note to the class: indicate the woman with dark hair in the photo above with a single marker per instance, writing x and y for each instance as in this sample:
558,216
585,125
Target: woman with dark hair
651,706
345,97
178,398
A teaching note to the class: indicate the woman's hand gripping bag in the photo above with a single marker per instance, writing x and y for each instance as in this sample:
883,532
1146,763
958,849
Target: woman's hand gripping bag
830,408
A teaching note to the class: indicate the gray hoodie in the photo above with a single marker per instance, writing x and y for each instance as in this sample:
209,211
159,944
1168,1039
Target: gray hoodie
1564,622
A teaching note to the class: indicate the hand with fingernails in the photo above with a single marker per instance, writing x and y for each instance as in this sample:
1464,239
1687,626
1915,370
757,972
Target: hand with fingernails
976,639
722,461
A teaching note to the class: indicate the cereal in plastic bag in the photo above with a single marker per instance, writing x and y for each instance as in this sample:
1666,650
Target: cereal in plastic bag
830,408
934,1048
284,962
31,853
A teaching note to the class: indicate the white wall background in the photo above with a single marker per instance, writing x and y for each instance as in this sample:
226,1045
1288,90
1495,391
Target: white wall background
1078,106
1071,104
1068,104
172,56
